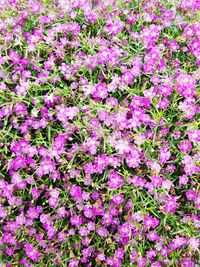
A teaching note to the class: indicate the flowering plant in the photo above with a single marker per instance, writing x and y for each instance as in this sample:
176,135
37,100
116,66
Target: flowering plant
99,133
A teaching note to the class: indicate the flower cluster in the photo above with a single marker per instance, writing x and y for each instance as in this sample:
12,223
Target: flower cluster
99,133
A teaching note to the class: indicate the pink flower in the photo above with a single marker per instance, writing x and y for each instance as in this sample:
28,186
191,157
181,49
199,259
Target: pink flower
91,226
183,180
164,155
167,184
193,243
185,146
163,103
115,181
191,195
33,213
76,220
133,161
92,145
75,192
194,135
3,212
32,253
118,199
102,231
170,205
62,236
45,167
150,221
124,230
73,263
178,242
54,193
173,46
35,7
155,167
18,162
88,212
53,202
139,139
151,254
61,212
156,180
185,85
100,91
20,109
156,264
122,146
83,231
141,262
119,253
153,236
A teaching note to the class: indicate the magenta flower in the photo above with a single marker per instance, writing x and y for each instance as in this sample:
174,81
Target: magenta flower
33,213
91,226
153,236
76,221
191,195
3,213
18,162
119,253
115,181
151,254
183,180
156,264
133,161
32,253
193,243
170,206
163,103
101,257
164,155
167,185
150,221
99,133
83,231
35,7
178,242
124,230
61,212
88,212
102,232
122,146
118,199
185,146
186,85
156,180
62,236
75,192
73,263
46,167
194,135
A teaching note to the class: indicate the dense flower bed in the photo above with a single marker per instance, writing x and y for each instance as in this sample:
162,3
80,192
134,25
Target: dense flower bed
99,133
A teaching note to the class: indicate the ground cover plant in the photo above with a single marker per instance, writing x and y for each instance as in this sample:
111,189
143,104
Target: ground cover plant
99,133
